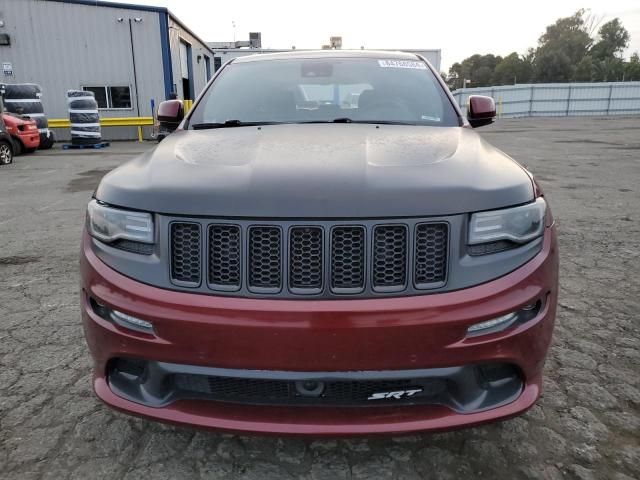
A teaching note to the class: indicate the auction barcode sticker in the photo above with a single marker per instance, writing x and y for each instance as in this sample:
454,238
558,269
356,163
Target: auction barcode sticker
402,64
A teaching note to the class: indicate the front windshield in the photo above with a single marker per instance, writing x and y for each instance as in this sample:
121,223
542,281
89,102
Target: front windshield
321,90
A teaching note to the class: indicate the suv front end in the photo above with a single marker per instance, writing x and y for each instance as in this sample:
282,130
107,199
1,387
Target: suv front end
398,278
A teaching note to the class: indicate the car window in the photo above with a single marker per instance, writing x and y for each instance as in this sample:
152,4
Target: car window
320,89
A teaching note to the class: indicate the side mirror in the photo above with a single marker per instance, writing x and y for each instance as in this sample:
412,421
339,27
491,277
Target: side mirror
170,114
481,110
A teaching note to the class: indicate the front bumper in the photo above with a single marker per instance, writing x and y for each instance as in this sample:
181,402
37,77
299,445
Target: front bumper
318,337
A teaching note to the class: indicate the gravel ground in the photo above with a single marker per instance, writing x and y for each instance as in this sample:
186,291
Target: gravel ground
586,425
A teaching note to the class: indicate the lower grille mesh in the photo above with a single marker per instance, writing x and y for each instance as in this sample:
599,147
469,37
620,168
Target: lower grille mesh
274,392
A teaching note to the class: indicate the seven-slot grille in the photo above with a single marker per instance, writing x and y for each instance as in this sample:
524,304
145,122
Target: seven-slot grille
309,259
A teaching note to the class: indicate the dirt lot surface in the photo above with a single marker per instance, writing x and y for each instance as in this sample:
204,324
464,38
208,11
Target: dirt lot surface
585,426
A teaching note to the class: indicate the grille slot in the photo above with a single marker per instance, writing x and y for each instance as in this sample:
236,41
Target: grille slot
305,260
431,241
185,254
225,252
389,258
347,259
265,259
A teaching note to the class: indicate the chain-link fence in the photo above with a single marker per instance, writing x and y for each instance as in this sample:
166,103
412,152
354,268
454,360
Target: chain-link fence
559,99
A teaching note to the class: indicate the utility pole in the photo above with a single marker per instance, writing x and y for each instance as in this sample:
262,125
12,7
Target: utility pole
133,58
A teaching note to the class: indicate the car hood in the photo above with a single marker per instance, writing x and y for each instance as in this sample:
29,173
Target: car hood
319,171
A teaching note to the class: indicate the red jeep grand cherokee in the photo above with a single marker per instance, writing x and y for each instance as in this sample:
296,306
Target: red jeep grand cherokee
323,247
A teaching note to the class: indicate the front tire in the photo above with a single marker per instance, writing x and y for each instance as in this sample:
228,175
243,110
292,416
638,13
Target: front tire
6,153
18,149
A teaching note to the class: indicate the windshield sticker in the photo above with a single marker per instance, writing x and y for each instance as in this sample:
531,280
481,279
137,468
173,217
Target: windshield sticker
402,64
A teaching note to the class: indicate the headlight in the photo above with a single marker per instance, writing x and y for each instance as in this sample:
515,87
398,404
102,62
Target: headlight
519,224
109,224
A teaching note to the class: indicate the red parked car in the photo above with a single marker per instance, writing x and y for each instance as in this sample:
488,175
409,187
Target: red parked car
24,132
291,261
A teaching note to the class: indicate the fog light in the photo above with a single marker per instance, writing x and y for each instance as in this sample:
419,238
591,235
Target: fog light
526,313
132,323
493,325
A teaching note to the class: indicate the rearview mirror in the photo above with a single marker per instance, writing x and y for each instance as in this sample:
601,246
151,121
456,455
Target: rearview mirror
170,114
481,110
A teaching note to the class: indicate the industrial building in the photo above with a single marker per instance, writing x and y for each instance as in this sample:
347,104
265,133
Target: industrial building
130,56
225,51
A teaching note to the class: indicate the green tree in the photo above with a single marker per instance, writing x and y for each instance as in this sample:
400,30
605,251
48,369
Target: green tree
608,70
563,45
477,70
566,52
632,68
453,78
512,69
584,70
613,39
553,65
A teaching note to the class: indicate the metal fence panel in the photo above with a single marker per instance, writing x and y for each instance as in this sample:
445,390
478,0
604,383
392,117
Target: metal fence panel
559,99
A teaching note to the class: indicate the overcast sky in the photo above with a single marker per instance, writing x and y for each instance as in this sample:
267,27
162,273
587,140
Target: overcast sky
459,28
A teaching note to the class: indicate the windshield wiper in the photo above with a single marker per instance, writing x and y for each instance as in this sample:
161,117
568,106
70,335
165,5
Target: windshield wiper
335,120
229,124
385,122
349,120
240,123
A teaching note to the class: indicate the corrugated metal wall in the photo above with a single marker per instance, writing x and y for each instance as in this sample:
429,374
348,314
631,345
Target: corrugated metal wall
176,34
65,46
559,99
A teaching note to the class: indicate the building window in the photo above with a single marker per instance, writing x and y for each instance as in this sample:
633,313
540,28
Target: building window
100,94
116,97
207,69
217,63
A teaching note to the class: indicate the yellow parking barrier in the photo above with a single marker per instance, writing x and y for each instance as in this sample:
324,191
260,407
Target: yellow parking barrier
187,105
109,122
